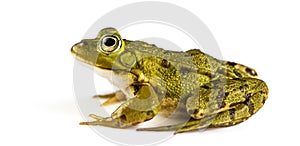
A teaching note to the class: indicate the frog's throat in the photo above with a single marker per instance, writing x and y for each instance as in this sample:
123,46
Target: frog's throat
117,71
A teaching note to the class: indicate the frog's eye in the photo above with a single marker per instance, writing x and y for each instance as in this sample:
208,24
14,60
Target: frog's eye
109,44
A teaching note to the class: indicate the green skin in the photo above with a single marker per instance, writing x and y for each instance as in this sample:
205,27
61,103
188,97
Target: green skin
212,92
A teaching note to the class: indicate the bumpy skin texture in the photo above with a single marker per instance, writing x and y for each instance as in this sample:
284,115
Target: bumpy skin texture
212,92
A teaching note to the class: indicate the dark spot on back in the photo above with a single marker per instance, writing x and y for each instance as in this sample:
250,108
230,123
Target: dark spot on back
242,88
232,113
226,94
205,87
264,100
236,79
231,63
237,73
249,103
165,63
251,71
250,106
247,96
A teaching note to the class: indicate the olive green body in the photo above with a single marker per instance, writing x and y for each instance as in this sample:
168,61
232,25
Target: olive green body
212,92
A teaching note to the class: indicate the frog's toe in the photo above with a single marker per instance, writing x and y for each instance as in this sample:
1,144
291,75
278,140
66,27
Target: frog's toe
188,128
112,98
90,123
192,126
162,128
108,122
98,118
105,121
111,101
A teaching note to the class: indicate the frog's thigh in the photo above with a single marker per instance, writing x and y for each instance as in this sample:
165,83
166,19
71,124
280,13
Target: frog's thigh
249,91
248,103
240,112
235,115
253,100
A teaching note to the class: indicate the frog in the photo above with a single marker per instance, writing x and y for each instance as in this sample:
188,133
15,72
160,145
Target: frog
211,92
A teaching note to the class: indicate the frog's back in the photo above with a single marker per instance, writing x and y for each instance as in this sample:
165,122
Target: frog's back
193,58
218,68
194,61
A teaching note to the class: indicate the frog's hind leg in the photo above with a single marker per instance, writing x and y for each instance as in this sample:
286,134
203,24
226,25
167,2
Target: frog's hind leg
227,118
112,98
237,108
237,114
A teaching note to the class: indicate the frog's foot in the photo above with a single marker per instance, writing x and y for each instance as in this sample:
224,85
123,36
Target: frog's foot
107,121
191,128
191,125
163,128
112,98
179,128
176,127
123,117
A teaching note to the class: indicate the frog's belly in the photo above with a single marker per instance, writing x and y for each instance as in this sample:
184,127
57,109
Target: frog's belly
120,81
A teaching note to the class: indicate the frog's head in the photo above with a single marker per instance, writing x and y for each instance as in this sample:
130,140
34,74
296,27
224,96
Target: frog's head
103,51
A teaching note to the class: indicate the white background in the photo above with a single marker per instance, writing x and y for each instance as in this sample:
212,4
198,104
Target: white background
37,103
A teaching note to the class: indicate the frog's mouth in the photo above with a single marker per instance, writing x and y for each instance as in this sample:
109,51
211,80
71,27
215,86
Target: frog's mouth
103,68
85,62
90,59
73,52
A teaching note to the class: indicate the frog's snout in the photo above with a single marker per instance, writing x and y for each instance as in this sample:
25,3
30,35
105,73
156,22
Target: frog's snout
77,47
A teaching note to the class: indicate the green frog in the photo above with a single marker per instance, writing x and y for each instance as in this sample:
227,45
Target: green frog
209,91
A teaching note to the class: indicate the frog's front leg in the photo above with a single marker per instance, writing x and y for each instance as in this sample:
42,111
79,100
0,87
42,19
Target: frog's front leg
115,97
143,107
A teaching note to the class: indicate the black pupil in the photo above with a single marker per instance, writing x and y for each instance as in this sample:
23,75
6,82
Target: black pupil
109,42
